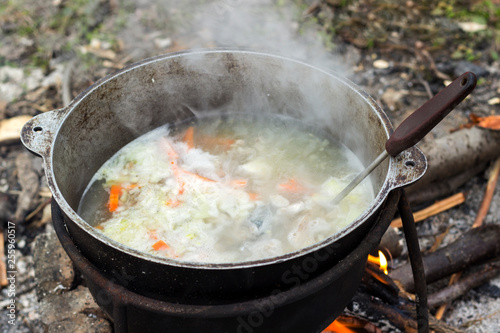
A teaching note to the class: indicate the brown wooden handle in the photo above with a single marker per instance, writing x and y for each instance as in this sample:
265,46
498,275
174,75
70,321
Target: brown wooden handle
426,117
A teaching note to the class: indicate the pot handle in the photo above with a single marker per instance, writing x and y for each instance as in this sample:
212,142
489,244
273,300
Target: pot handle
409,166
38,133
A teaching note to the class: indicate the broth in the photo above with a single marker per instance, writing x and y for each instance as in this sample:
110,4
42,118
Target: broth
225,188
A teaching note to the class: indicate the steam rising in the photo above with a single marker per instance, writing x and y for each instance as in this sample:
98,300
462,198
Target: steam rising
277,27
205,82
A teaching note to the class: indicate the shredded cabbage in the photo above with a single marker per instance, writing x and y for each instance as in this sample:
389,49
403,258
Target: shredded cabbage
244,191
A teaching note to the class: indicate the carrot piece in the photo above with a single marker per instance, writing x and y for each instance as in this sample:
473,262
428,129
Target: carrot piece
114,197
292,186
172,154
189,137
173,203
213,142
239,182
253,196
198,176
226,143
160,245
152,234
100,227
181,186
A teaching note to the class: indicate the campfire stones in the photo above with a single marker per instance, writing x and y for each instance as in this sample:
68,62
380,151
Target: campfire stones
63,309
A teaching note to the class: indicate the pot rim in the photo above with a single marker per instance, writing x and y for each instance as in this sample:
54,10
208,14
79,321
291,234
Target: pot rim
56,119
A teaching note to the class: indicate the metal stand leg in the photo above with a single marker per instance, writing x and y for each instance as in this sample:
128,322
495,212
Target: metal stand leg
416,262
120,318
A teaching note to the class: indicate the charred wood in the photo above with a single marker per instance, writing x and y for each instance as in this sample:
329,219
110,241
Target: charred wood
460,288
376,283
391,243
475,246
378,311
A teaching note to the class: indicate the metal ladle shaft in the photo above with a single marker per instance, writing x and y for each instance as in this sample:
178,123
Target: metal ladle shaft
418,124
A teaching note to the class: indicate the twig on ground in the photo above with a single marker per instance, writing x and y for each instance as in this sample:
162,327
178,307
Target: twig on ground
439,240
66,82
426,86
434,209
3,267
488,194
37,209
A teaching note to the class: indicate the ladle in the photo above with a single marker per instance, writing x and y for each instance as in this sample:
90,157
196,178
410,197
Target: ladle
418,124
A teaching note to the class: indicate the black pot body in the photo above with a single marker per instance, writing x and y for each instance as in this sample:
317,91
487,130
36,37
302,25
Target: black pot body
310,306
75,141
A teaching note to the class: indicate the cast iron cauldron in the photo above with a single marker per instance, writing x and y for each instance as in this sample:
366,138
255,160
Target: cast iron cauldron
76,140
306,308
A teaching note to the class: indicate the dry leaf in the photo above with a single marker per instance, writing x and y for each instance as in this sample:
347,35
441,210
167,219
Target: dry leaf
392,98
472,26
494,101
381,64
10,129
491,122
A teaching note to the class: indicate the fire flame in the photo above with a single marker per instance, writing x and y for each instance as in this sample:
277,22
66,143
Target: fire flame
337,327
381,260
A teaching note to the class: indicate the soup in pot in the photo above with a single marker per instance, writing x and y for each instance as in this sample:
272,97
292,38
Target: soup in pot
226,188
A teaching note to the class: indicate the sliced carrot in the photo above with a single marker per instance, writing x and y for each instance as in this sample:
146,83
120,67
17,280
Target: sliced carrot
189,137
198,176
210,142
253,196
114,197
160,245
226,143
173,203
152,234
292,186
172,154
239,182
100,227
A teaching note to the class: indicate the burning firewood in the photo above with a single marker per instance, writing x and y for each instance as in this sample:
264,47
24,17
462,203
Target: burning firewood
380,300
